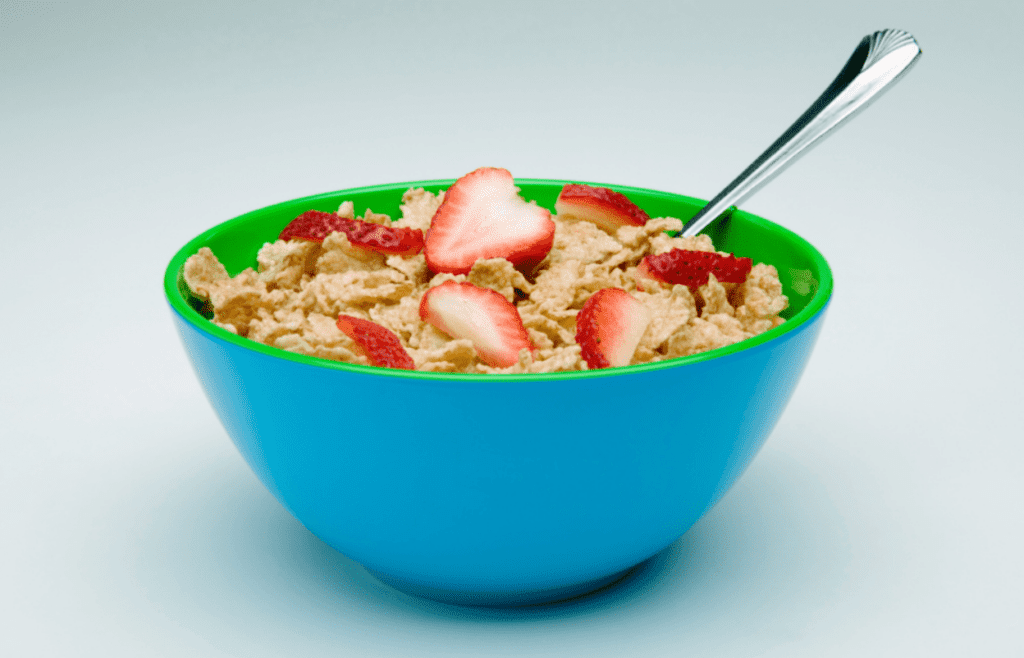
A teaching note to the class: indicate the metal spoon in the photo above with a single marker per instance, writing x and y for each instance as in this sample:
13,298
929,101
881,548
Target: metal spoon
881,59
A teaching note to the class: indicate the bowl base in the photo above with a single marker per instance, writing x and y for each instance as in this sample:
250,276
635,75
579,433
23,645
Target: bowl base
502,599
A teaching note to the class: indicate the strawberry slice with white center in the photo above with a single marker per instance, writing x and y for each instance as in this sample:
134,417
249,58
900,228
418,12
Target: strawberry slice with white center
484,316
483,216
380,345
606,208
609,328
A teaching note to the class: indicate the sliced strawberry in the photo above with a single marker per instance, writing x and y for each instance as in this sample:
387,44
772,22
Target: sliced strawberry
483,216
609,328
691,268
606,208
314,225
484,316
381,346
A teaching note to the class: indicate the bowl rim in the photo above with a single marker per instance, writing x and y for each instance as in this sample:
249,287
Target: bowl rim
814,306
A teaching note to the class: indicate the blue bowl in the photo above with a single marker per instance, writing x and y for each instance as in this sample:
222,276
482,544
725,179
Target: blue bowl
501,489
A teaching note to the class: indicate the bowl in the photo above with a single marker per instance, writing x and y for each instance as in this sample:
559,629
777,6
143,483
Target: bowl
501,489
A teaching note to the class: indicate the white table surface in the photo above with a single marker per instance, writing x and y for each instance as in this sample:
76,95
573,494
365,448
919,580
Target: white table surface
883,517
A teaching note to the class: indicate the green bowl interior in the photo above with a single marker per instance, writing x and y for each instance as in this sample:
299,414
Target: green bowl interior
805,275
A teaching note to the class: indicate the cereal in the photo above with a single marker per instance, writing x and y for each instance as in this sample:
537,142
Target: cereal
673,308
499,275
203,272
294,297
714,299
338,255
281,264
418,208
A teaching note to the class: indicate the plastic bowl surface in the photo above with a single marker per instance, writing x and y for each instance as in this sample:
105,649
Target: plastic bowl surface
501,489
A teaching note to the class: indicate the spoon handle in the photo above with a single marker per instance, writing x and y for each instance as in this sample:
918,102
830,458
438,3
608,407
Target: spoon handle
879,60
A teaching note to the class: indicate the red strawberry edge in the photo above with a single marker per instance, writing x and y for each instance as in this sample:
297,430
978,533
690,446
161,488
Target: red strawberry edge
600,205
691,268
464,230
609,328
380,345
512,336
316,225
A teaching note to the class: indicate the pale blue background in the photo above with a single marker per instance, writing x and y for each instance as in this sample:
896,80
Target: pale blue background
882,518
